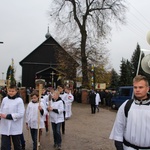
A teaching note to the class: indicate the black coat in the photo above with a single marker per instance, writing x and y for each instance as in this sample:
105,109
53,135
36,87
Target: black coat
92,97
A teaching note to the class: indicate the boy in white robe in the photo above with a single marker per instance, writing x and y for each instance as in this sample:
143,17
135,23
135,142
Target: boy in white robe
34,119
11,123
63,96
56,109
45,100
68,103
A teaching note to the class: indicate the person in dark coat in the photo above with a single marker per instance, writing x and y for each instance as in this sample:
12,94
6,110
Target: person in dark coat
92,101
108,97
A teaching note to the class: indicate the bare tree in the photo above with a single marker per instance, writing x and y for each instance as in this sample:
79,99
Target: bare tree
89,21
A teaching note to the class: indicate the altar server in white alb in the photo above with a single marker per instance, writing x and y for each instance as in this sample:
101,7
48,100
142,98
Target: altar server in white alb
68,102
45,100
11,123
56,109
33,119
63,96
131,130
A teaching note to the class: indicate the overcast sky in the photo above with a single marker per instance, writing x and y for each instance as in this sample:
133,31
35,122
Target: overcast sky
24,24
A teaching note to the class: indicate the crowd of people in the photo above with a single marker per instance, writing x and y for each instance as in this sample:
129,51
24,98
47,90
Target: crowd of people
48,105
100,97
105,95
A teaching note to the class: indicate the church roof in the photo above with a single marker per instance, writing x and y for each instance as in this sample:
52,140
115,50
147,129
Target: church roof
45,53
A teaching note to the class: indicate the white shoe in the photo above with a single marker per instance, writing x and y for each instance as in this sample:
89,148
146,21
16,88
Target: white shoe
38,143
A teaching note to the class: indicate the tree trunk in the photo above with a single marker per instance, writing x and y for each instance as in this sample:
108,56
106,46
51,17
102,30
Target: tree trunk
85,82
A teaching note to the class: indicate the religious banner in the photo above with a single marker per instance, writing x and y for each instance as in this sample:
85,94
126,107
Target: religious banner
101,86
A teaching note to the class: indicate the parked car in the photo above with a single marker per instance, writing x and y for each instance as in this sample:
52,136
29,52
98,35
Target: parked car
122,94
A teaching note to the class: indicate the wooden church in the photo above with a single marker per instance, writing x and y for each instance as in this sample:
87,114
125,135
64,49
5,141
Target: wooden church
49,61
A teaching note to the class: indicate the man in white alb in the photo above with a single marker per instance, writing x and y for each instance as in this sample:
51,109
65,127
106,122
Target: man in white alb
131,130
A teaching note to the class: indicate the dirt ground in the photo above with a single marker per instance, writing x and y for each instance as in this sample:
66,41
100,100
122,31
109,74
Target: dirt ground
84,131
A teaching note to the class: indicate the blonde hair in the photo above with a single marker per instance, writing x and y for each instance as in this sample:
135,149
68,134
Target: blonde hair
56,92
139,78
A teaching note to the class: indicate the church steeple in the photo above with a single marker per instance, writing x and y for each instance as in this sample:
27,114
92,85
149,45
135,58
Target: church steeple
47,35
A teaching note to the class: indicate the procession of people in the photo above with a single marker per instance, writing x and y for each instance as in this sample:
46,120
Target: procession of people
46,105
54,106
